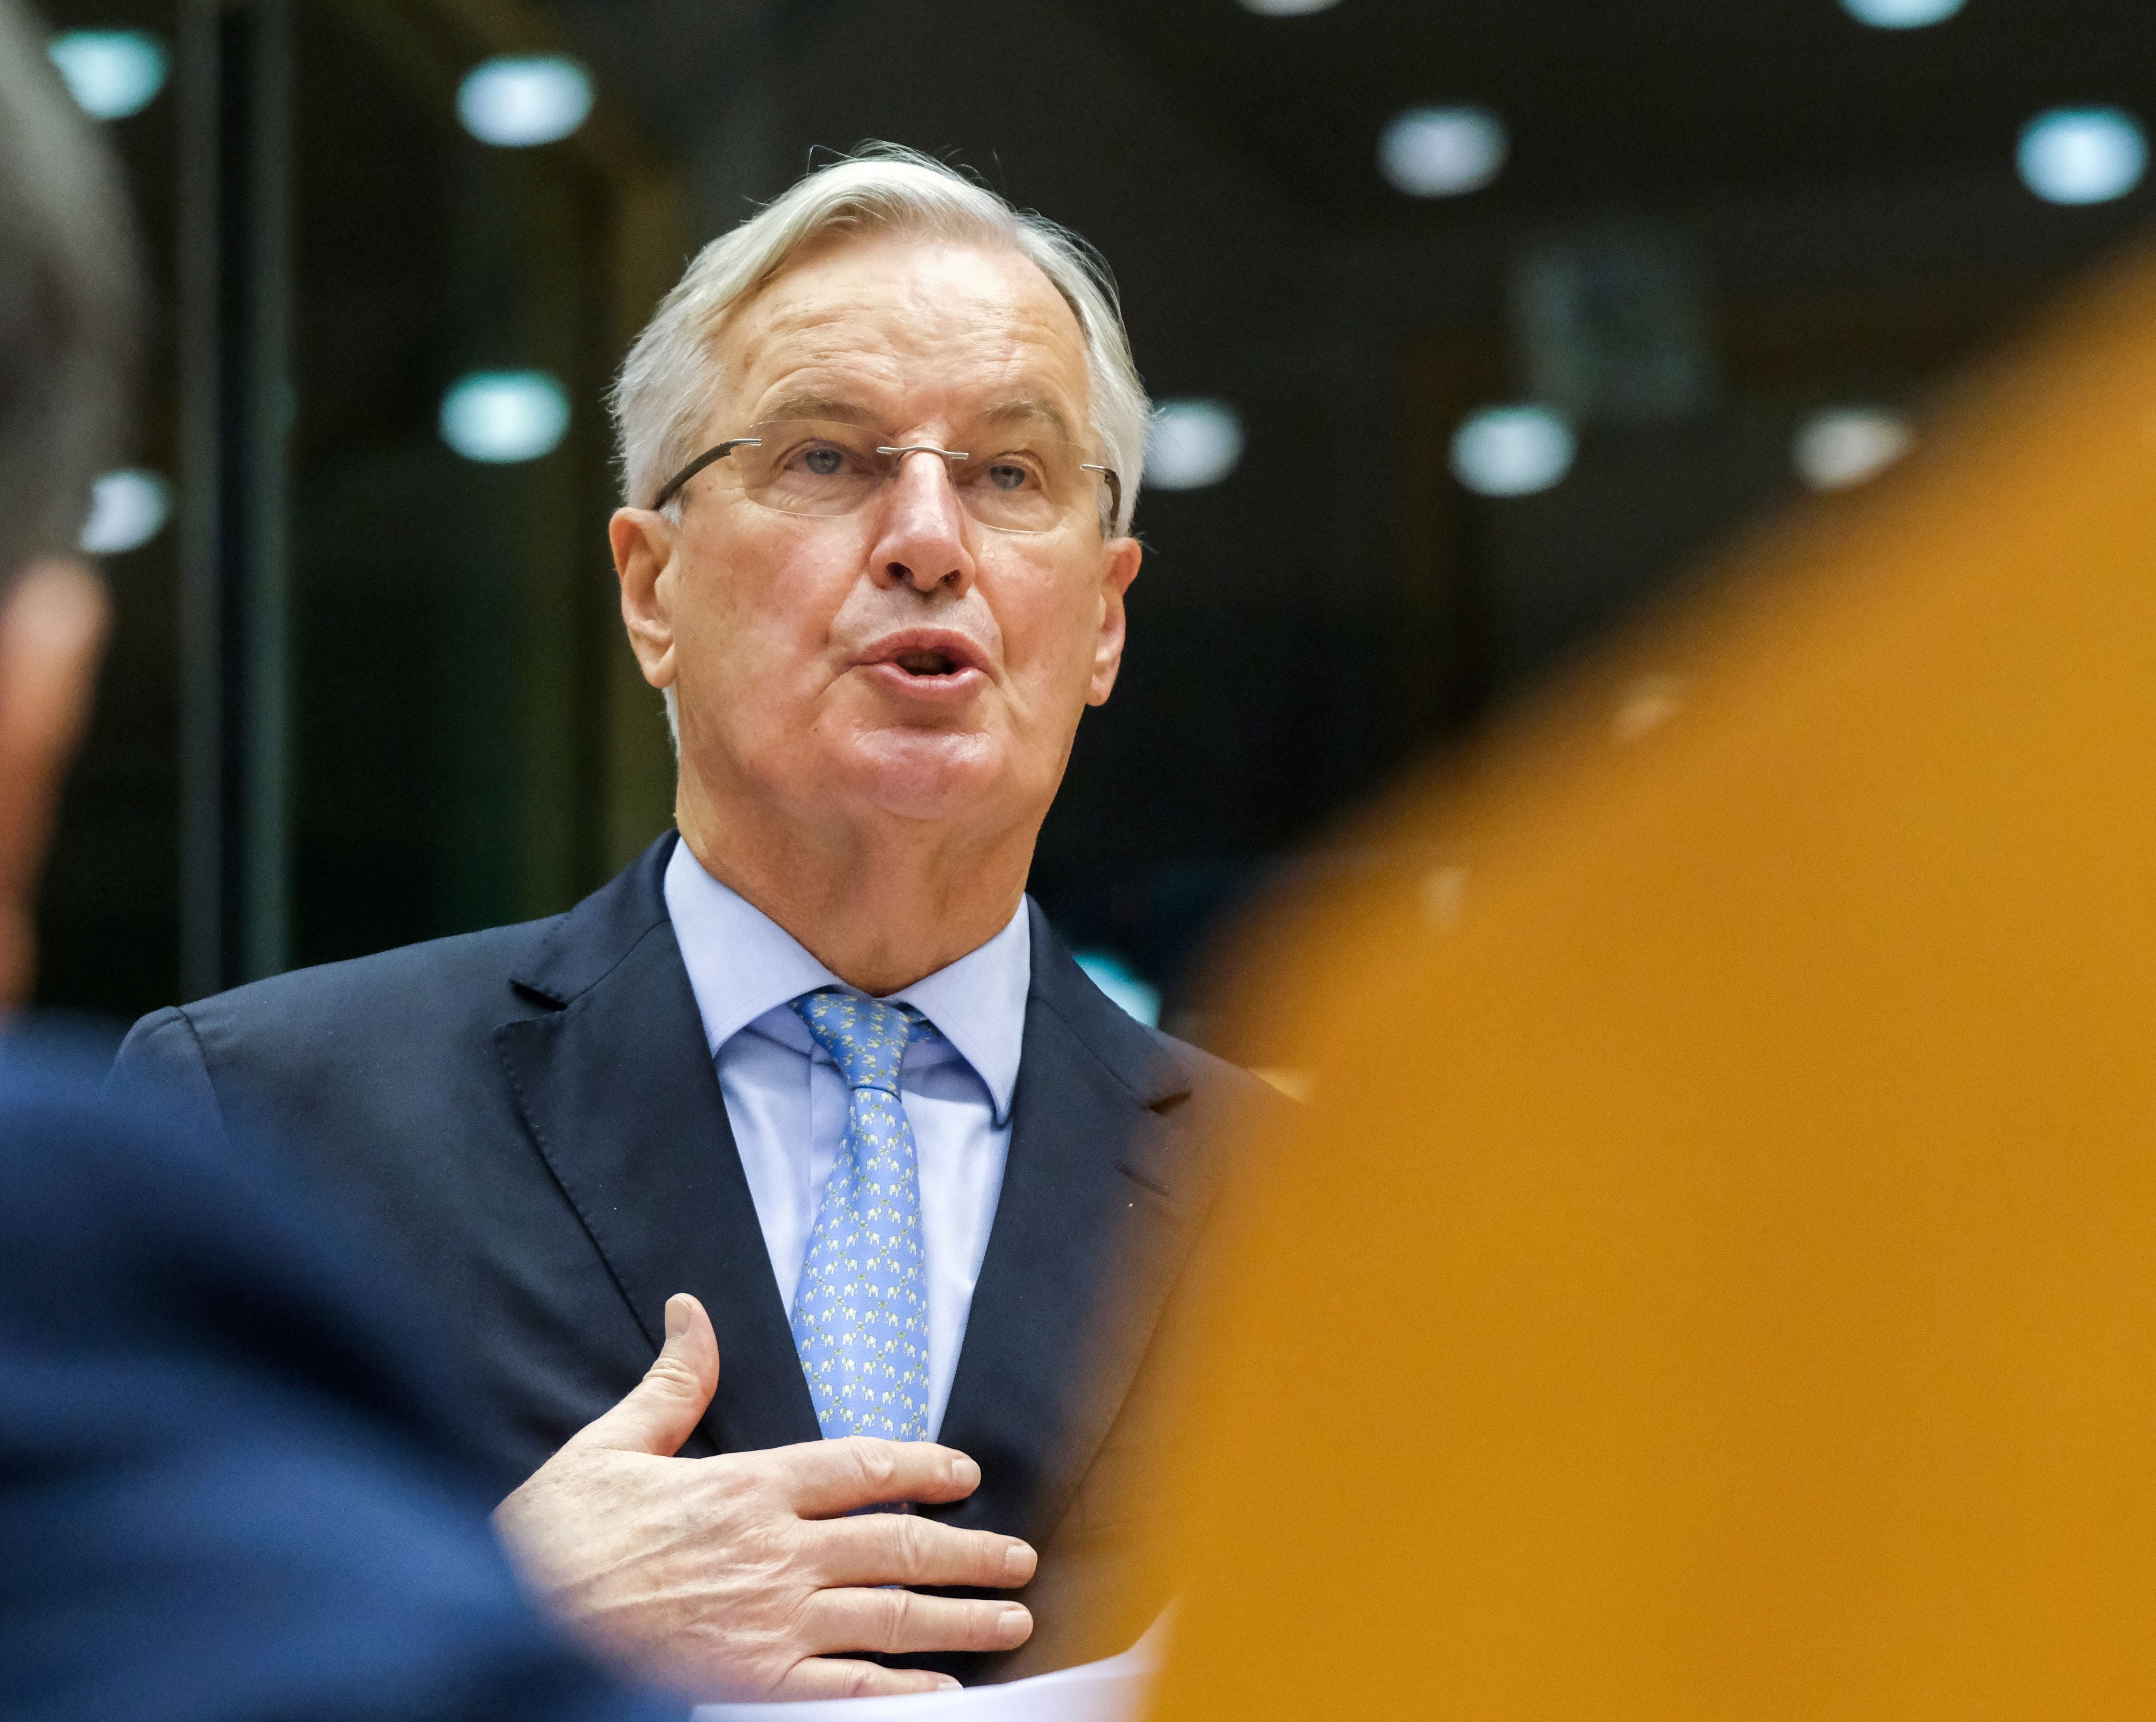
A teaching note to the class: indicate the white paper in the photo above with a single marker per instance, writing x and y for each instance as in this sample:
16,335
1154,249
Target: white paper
1109,1691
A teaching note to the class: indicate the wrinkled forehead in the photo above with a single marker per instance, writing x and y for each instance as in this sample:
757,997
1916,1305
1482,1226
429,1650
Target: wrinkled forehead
906,330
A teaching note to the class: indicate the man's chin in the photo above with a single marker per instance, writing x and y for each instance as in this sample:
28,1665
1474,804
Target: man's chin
924,773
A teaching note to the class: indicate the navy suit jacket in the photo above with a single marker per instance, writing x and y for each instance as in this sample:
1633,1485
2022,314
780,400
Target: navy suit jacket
533,1113
227,1487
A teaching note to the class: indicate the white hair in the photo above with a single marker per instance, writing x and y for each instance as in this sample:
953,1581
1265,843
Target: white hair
672,373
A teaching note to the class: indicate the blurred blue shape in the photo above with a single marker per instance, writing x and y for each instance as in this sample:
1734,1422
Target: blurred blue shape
1513,451
1116,977
1443,152
516,101
111,74
502,416
1900,14
1192,443
127,509
1841,446
2083,155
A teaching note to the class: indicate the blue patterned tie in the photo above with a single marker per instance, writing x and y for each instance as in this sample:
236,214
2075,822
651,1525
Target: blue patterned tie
860,1314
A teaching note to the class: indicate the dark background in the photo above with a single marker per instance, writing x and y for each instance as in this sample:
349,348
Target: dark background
465,742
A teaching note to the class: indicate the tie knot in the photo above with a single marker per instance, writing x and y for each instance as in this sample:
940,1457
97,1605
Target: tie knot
867,1038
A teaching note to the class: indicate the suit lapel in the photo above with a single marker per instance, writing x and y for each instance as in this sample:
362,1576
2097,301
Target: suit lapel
618,1091
1100,1200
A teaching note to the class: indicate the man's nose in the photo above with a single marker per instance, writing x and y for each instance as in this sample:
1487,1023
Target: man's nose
923,543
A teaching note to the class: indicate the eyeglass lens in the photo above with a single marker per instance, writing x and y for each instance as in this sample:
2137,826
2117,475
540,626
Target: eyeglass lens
1011,480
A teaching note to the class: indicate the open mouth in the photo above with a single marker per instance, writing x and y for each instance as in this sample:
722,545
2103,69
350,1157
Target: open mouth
934,660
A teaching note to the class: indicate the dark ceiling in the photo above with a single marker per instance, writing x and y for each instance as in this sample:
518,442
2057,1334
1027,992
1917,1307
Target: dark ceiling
1605,102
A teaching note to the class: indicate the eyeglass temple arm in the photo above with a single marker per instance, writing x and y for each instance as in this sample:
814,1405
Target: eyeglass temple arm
668,490
1115,490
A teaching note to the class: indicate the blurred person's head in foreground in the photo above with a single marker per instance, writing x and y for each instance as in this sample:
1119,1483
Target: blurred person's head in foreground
67,307
881,447
230,1481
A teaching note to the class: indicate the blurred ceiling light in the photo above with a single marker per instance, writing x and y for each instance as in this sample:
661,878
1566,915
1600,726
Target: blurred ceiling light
1846,445
1513,451
111,74
1900,14
502,416
515,102
127,509
1441,152
2083,155
1192,445
1286,8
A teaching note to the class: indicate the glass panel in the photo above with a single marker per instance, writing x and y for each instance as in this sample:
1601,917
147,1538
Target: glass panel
450,609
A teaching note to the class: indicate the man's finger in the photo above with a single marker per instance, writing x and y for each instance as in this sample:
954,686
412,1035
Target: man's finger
825,1478
902,1549
833,1677
904,1621
661,1411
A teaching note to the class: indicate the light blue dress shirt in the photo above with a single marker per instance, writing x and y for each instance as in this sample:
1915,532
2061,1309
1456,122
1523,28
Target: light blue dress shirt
788,1103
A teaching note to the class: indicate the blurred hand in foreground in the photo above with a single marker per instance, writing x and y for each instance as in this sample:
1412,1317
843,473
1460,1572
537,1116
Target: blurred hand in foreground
737,1577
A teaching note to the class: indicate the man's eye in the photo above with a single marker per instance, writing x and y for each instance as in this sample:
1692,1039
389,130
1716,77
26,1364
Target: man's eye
824,463
1009,475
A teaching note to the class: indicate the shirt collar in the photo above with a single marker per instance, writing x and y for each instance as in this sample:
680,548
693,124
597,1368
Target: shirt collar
978,1002
742,963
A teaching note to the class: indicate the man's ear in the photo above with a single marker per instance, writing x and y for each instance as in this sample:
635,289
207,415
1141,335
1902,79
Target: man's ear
643,542
1124,554
52,638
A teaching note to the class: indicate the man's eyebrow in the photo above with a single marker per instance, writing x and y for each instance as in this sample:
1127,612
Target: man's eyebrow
1031,411
808,403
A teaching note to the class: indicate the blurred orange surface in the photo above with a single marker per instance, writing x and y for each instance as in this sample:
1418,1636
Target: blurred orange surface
1715,1274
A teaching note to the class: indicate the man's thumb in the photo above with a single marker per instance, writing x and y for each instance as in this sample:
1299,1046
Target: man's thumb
661,1411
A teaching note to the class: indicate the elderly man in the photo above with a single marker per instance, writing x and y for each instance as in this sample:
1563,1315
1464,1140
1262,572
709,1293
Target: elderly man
815,1063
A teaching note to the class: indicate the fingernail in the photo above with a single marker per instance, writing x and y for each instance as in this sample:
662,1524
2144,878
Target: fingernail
677,1318
1013,1618
944,1682
1019,1561
964,1473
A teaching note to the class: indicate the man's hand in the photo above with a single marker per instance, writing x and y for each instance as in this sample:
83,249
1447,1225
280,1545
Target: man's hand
736,1577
